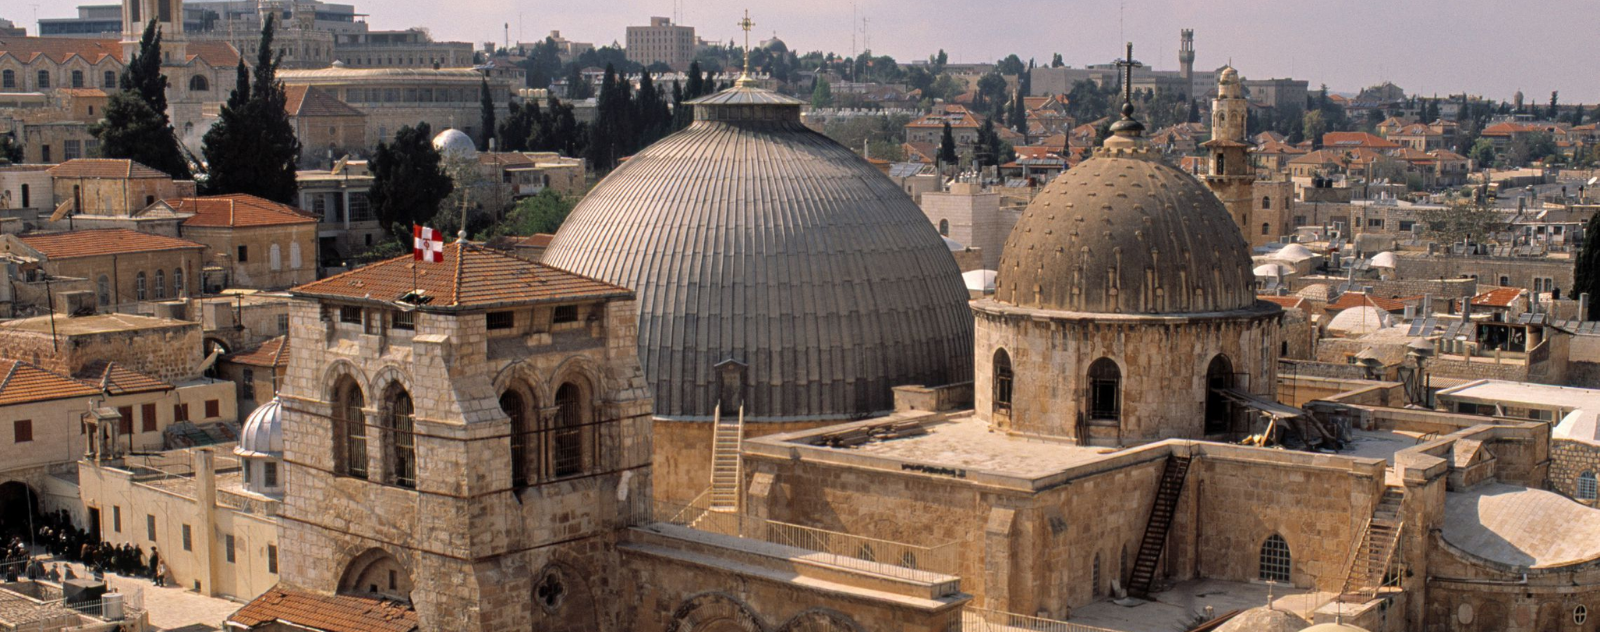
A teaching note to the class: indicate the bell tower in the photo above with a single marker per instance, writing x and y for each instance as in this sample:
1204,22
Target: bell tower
1186,61
1231,175
168,14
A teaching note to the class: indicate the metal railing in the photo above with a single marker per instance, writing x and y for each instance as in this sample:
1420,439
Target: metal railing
981,620
916,562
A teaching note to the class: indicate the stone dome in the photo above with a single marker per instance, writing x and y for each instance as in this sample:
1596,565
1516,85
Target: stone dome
262,435
1264,619
1125,232
1334,627
767,255
455,142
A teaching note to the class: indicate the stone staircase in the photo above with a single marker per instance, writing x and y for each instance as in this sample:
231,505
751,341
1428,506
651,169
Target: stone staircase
1375,550
1162,512
725,474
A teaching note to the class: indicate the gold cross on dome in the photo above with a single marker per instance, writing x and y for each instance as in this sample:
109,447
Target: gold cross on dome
1128,64
746,24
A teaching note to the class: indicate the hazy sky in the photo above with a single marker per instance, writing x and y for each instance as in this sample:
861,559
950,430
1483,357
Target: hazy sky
1490,47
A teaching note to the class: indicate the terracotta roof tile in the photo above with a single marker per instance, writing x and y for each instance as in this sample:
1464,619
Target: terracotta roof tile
104,168
481,278
272,353
1499,297
96,243
238,211
1357,299
1356,139
1286,302
304,100
23,383
537,240
339,613
117,379
59,49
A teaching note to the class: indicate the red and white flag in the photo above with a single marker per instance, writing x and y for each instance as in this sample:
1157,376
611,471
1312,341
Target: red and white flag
426,244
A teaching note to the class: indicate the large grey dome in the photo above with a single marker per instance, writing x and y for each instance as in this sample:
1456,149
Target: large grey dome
750,238
1125,232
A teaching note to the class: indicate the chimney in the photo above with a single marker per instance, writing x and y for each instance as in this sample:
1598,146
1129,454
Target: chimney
1427,305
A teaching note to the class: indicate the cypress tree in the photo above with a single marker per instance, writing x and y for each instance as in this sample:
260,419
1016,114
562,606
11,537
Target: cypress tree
408,180
1586,275
135,125
252,149
947,146
486,104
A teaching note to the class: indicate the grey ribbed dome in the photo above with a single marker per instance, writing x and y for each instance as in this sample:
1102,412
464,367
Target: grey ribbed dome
748,237
1125,232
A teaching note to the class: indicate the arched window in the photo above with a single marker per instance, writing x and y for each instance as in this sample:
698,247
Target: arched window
198,83
1002,381
1266,203
77,78
567,456
349,430
1266,228
1275,560
275,258
8,79
44,79
1587,486
944,227
1219,377
294,255
108,80
161,284
1222,164
139,287
177,283
398,427
103,290
1105,390
512,404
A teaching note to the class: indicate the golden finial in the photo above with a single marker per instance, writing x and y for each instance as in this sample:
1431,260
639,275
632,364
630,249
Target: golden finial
746,24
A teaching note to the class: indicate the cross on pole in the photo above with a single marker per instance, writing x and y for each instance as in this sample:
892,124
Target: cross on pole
746,24
1127,65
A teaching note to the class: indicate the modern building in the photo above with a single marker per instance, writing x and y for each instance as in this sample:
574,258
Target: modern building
410,48
391,98
662,42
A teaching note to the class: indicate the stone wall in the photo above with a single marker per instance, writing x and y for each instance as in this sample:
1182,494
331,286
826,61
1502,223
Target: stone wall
1568,460
165,349
681,469
276,257
1517,271
1440,289
974,219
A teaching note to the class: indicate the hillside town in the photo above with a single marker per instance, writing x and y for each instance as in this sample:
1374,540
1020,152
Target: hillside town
312,326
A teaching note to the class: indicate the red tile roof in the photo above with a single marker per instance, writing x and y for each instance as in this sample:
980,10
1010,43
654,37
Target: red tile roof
116,379
97,243
1356,139
24,383
1286,302
238,211
304,100
469,277
104,168
59,49
1358,299
538,240
272,353
339,613
957,116
1499,297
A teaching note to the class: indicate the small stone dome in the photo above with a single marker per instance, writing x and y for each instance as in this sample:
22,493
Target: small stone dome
1384,260
1228,85
262,435
454,142
1293,252
1264,619
1334,627
1126,232
1361,320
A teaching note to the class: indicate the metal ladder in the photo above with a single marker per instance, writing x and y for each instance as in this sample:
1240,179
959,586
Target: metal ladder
725,464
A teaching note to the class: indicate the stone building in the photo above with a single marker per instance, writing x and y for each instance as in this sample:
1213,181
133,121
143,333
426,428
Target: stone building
113,193
972,216
123,267
661,42
261,244
257,371
817,284
443,97
326,127
338,196
161,348
1231,176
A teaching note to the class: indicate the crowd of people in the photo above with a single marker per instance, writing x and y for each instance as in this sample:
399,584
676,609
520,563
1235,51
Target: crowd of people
56,533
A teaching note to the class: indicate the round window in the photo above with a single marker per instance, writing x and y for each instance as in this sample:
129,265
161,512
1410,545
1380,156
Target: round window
1464,613
1580,614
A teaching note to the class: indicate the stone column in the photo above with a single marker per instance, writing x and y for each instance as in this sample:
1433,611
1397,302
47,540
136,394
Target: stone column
205,498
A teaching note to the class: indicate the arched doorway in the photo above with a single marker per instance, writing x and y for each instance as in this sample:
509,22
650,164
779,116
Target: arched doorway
715,612
376,573
1219,412
19,507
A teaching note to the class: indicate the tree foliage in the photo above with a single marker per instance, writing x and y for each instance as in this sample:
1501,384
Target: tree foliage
486,114
1586,274
409,180
1466,222
10,149
821,94
947,147
252,148
136,126
541,213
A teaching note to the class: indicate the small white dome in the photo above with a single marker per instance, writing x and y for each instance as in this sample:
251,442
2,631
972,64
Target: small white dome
1383,260
455,143
263,432
1360,320
1264,619
1272,271
980,280
1334,627
1293,252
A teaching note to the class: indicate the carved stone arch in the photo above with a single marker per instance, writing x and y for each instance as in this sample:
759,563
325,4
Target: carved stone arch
386,376
376,572
715,612
580,368
820,620
563,600
341,368
522,374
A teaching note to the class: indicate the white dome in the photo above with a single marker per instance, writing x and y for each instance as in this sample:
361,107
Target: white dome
263,432
1383,260
980,280
1264,619
1360,320
1272,270
1334,627
1293,252
454,142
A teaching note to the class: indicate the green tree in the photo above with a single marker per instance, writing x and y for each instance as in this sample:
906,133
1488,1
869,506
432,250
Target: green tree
1555,109
543,64
821,94
408,180
1586,274
486,113
1455,224
613,135
1314,125
1482,152
947,147
541,213
252,148
1019,114
1011,65
991,93
10,149
1056,62
519,126
559,131
578,88
135,124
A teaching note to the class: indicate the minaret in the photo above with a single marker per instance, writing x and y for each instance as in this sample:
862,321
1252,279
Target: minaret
1232,176
168,14
1186,61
